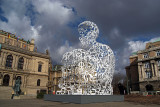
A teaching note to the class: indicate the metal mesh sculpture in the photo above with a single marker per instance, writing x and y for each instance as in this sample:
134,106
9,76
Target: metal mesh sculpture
88,72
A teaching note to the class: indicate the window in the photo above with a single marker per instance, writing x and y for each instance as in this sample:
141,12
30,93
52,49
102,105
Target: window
20,63
9,61
39,67
7,40
15,43
146,55
10,41
147,65
24,46
38,82
158,53
19,44
27,47
148,74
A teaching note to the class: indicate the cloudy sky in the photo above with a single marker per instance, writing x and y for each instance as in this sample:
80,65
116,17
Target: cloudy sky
125,25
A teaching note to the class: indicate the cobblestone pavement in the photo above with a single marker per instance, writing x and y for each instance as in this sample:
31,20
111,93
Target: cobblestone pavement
42,103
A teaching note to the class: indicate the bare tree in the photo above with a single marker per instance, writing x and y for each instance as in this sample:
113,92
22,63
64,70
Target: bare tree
118,78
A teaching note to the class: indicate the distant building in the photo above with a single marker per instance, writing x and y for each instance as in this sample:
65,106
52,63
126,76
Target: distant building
132,73
144,71
19,58
54,76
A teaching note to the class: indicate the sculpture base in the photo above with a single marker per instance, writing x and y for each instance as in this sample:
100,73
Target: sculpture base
16,97
84,99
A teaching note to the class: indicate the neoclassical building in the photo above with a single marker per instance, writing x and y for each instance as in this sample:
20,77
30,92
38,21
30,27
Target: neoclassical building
19,58
143,73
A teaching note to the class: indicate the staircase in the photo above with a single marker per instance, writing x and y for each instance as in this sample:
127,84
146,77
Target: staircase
6,93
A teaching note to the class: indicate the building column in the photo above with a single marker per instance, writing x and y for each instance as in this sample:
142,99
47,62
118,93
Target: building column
33,65
24,84
28,67
16,62
26,80
1,58
1,82
13,63
4,59
23,80
27,64
24,64
140,71
156,70
11,80
143,72
153,68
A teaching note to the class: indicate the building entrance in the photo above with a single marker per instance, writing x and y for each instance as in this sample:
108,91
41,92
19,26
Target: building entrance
149,87
6,80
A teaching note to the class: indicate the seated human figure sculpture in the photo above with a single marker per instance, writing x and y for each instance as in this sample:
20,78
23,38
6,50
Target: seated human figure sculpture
88,72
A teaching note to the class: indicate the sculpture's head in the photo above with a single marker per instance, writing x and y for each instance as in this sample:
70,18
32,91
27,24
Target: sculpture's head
88,31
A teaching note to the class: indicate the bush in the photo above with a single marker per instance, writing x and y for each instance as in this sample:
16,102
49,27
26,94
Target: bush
40,95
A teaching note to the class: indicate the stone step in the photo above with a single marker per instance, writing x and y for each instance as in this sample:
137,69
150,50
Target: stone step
5,92
27,97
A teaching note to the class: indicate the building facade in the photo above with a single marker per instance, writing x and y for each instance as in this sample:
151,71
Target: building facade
19,58
54,76
145,65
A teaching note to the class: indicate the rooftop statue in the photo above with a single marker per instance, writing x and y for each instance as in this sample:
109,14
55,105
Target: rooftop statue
88,71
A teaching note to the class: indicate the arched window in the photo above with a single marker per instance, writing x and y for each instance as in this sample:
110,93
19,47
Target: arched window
39,67
38,82
6,80
9,61
20,63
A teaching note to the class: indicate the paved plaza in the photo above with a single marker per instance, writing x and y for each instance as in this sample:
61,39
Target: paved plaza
42,103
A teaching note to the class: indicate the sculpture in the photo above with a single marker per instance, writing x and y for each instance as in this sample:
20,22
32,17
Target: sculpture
16,87
88,72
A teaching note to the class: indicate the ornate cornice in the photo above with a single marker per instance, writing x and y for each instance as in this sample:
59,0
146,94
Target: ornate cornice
22,72
148,50
23,51
148,59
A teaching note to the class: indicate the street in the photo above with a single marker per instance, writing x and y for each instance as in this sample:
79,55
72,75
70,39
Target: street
42,103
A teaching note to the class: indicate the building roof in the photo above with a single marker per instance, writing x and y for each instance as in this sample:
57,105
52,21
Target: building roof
13,36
